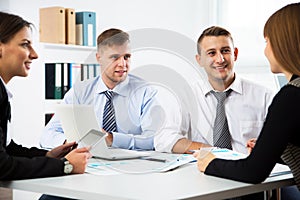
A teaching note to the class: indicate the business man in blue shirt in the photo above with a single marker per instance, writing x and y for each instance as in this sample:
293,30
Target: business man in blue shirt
137,113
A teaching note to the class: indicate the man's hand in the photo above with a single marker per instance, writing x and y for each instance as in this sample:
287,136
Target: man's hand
184,145
109,138
62,150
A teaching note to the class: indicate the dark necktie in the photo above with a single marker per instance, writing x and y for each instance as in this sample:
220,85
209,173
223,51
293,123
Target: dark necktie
221,134
109,120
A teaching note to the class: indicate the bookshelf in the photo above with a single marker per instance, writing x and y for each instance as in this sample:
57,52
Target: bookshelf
68,53
63,53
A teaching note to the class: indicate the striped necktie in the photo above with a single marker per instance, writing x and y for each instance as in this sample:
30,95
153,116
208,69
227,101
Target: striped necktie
109,120
221,134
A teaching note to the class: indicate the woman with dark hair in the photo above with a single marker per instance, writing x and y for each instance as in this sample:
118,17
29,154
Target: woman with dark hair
17,162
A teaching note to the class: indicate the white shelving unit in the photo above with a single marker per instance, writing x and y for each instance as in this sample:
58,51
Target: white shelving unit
64,53
68,53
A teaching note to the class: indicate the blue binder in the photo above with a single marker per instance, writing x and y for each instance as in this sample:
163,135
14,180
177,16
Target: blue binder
86,28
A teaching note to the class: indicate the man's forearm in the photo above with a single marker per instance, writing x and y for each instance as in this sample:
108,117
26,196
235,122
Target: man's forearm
185,146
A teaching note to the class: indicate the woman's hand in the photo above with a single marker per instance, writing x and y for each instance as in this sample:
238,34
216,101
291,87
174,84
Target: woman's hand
79,159
250,144
62,150
204,157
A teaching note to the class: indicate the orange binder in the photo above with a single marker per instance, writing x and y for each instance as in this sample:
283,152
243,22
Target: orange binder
70,26
52,25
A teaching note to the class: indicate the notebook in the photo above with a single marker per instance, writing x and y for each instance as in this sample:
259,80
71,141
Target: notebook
80,124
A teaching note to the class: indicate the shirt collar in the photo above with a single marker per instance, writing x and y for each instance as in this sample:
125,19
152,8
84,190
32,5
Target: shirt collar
121,89
9,94
236,86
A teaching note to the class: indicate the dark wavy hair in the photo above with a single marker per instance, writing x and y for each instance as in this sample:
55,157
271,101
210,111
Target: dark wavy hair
11,24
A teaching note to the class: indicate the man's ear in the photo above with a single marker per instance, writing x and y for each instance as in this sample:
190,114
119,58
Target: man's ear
1,50
98,57
236,52
198,58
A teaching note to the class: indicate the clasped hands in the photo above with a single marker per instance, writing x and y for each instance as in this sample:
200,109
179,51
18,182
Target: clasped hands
78,157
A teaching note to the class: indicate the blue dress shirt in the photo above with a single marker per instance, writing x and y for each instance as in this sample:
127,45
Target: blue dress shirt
138,113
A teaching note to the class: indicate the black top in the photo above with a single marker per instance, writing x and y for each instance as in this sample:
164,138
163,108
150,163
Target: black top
17,162
281,127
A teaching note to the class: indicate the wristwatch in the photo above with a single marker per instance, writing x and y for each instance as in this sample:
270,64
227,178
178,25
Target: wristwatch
68,167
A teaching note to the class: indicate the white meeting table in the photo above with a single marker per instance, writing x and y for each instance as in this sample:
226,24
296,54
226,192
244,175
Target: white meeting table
185,182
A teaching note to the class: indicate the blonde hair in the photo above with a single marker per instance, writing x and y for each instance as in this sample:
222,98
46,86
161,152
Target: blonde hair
112,37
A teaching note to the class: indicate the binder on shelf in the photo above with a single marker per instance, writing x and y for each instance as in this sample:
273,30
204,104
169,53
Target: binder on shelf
52,25
75,73
86,28
49,80
70,26
58,81
91,71
53,83
84,72
65,79
97,69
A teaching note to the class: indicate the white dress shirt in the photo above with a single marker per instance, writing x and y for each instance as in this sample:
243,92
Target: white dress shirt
246,108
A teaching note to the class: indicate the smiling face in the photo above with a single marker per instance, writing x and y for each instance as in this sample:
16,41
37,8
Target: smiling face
217,56
115,63
17,55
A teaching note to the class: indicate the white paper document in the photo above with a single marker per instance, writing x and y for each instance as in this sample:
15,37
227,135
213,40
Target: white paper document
155,162
280,169
221,153
227,154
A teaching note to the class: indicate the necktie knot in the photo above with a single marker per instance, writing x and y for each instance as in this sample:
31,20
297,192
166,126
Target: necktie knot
221,96
109,94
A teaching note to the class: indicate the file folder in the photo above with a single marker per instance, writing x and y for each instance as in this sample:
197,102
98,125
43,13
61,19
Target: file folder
86,28
75,73
65,79
97,70
70,26
53,80
84,72
58,81
52,25
91,71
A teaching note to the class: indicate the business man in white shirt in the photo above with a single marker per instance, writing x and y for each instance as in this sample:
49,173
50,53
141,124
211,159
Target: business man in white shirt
245,107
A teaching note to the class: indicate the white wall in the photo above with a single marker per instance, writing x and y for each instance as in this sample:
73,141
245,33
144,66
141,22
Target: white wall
245,20
176,15
188,18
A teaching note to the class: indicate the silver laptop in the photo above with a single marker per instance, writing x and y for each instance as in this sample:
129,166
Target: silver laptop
80,124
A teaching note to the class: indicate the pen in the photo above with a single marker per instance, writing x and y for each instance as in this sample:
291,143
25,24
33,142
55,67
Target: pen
155,159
